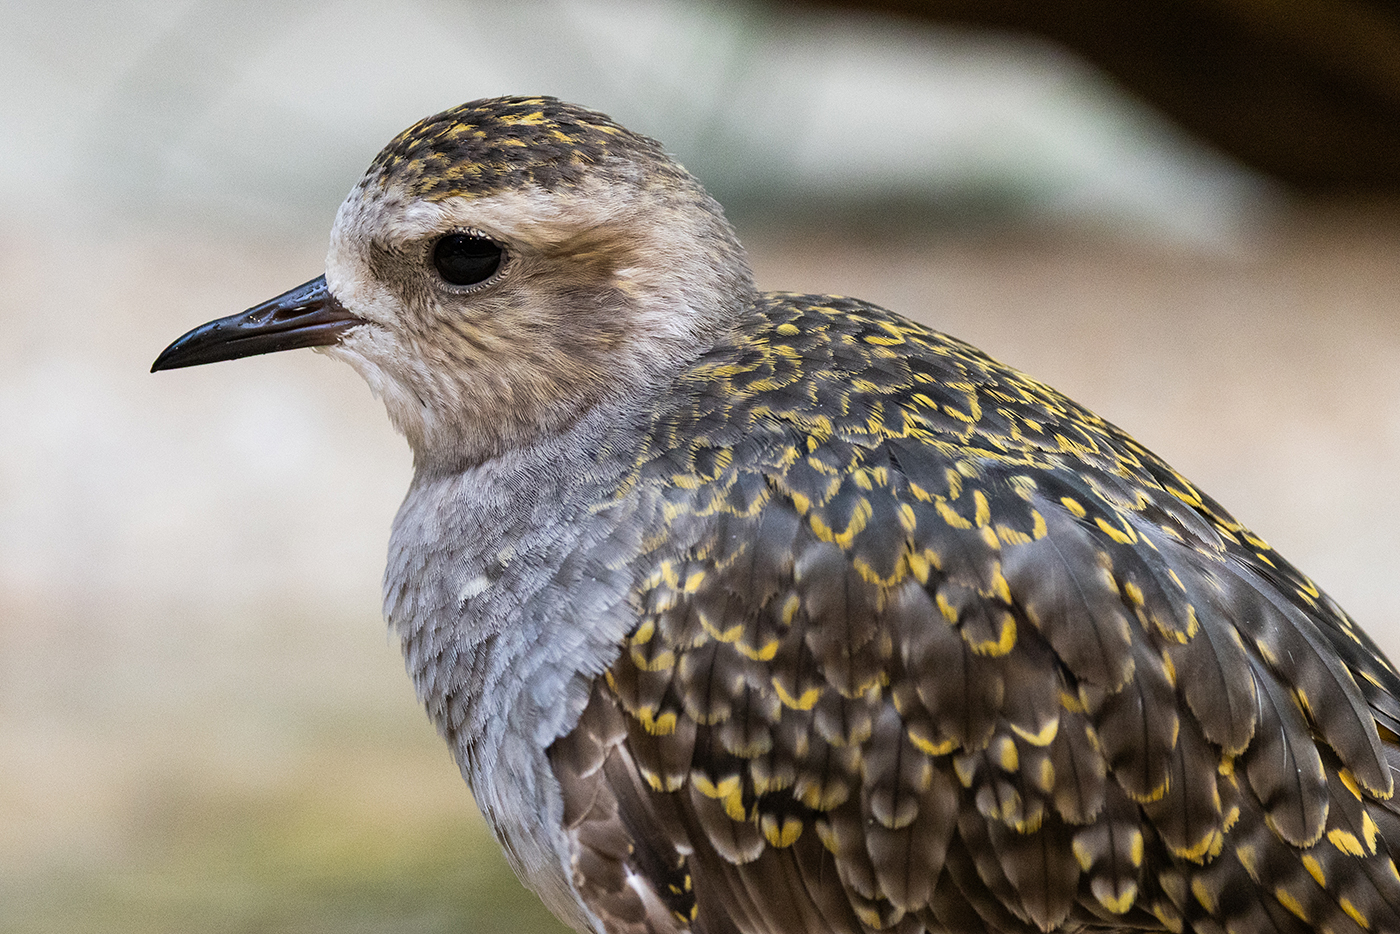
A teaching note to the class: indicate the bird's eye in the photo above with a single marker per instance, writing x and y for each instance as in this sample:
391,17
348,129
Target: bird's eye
463,259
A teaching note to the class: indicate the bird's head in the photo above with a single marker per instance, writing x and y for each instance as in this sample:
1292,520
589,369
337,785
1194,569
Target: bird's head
499,269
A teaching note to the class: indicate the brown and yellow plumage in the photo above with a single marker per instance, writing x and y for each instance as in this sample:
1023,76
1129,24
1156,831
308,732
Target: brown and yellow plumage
512,145
757,613
924,645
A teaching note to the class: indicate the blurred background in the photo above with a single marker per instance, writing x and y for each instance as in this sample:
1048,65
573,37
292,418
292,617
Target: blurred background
1180,213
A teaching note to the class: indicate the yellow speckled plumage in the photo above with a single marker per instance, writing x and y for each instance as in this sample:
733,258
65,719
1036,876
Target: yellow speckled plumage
769,613
1072,762
519,143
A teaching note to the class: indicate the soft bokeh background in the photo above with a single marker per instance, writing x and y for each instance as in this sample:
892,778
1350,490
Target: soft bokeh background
203,726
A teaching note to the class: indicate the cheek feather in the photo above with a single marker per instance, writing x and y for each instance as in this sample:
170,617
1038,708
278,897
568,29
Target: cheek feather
376,356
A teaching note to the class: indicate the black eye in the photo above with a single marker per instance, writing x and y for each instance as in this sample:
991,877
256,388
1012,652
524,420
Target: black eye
462,259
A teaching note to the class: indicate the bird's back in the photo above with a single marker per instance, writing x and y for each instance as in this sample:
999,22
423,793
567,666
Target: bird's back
923,645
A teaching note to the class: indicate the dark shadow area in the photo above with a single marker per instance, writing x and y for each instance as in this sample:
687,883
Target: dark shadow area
1308,92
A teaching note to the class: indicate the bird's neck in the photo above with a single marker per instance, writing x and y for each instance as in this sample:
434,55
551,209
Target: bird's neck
506,583
488,568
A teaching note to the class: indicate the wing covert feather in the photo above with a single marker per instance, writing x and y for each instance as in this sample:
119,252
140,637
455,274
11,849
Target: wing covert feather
954,654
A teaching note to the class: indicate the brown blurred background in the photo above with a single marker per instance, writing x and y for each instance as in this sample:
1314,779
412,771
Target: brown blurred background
1181,213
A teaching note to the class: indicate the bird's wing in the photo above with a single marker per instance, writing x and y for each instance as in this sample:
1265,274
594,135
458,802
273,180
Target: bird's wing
923,645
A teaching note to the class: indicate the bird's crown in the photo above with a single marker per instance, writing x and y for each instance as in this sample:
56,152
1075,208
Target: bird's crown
508,143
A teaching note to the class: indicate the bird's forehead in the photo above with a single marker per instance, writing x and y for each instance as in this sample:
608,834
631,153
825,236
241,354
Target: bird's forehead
507,144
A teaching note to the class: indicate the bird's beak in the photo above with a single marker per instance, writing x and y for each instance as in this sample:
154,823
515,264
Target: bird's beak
307,316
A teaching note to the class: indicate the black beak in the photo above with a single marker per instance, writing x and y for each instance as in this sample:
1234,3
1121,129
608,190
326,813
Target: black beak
307,316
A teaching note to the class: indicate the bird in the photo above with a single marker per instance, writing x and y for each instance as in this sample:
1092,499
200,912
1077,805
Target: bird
752,612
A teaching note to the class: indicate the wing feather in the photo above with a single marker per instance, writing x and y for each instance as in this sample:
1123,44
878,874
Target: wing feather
921,645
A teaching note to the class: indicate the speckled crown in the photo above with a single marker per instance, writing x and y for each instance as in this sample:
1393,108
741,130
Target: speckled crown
507,143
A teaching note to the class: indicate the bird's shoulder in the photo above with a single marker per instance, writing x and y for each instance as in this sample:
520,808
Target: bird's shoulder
863,421
913,621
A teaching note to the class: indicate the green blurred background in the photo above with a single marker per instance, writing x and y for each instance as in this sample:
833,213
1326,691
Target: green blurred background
203,725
